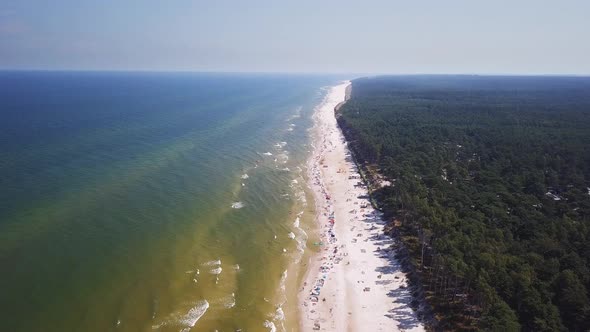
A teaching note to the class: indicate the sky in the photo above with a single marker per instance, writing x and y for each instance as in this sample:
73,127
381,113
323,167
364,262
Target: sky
307,36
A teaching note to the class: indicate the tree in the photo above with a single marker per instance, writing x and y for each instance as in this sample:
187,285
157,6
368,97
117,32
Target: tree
572,301
499,317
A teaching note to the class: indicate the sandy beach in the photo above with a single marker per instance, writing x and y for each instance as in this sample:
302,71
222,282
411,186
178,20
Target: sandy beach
354,283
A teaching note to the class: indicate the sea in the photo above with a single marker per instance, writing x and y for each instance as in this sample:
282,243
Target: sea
149,201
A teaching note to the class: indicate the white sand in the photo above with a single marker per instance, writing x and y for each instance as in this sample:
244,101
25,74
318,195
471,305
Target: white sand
363,288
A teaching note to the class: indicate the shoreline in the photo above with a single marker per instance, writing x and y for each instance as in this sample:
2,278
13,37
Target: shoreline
354,282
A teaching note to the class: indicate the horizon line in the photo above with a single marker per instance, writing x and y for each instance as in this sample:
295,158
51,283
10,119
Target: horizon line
245,72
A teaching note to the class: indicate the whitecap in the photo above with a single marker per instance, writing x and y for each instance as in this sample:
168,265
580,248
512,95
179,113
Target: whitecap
211,263
301,245
230,301
301,238
244,176
270,326
279,314
267,154
301,197
279,317
237,205
195,313
283,281
282,157
188,320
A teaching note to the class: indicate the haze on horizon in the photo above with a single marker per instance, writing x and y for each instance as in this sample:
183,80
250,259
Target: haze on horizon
455,36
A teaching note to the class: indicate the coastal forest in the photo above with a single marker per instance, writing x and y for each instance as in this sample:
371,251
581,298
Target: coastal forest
488,193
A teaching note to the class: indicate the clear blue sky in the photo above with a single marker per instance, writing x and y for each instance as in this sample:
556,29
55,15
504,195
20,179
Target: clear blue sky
410,36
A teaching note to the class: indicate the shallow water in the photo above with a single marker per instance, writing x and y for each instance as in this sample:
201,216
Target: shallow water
152,201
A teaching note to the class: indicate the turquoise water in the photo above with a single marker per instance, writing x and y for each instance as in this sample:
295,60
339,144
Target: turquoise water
124,204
